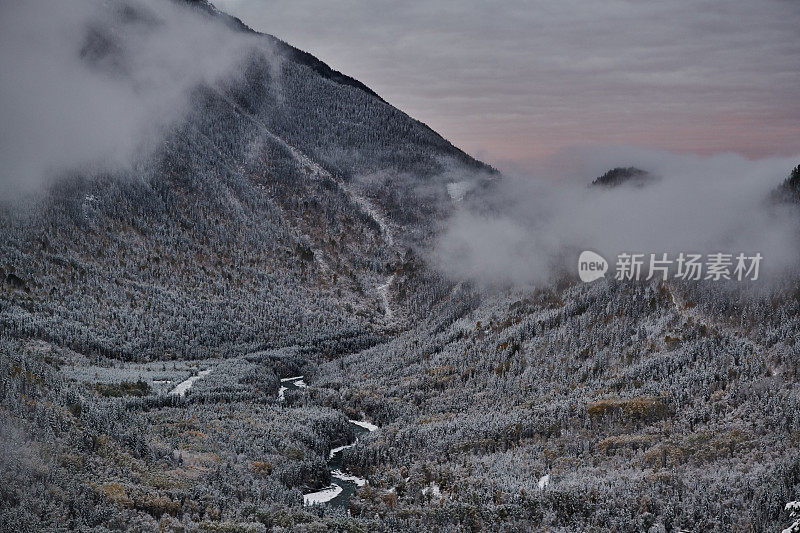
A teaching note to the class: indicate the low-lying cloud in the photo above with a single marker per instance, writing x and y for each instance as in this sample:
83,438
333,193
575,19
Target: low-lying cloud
90,85
529,230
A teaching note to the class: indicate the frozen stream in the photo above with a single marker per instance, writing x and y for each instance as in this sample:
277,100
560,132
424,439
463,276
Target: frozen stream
343,484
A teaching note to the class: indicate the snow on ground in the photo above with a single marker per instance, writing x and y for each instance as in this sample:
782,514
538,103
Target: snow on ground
315,170
544,481
433,489
383,290
322,496
185,385
370,209
297,381
359,481
365,425
373,212
340,448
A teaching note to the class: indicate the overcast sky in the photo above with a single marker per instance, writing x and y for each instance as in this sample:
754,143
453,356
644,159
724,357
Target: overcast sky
521,80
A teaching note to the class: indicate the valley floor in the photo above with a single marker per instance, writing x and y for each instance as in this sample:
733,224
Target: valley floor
592,408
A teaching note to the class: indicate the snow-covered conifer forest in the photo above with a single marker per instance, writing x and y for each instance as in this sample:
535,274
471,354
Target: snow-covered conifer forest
243,331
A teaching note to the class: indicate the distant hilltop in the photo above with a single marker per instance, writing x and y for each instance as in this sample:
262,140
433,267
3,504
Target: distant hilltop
623,175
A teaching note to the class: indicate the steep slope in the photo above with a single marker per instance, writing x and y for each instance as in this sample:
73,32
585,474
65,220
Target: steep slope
255,238
283,48
250,227
404,165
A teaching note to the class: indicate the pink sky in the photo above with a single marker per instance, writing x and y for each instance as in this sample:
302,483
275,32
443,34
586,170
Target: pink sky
534,77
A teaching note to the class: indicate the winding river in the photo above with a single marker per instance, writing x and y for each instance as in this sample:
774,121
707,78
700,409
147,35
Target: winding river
343,485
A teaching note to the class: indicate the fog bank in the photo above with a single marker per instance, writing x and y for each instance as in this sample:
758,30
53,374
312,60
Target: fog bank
530,228
90,85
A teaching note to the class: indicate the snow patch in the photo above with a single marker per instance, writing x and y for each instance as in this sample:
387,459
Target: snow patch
432,489
338,449
373,212
359,481
383,290
544,481
365,425
313,168
322,496
185,385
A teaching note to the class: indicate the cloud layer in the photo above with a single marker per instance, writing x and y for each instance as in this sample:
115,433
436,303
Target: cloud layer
91,85
529,230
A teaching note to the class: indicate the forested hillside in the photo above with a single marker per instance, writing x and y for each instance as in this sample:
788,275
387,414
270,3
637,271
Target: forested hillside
247,229
153,318
602,407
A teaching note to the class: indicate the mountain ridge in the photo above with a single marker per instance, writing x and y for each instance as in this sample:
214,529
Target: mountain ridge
275,155
287,50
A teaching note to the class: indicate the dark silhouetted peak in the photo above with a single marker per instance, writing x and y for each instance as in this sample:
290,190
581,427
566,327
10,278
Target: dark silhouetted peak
623,176
789,190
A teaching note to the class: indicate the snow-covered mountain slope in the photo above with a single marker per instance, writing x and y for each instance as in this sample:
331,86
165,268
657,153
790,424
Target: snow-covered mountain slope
260,221
155,324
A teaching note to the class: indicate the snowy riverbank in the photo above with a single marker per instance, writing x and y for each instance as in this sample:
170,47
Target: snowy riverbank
344,484
295,382
347,483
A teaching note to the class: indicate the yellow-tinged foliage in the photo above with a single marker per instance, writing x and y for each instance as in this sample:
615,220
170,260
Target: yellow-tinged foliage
641,408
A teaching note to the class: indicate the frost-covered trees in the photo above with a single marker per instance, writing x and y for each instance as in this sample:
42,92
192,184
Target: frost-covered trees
793,508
